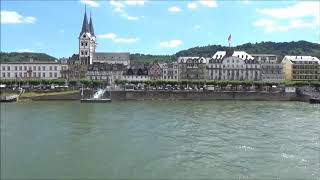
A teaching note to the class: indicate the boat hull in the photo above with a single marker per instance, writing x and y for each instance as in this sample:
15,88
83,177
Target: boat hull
95,100
314,101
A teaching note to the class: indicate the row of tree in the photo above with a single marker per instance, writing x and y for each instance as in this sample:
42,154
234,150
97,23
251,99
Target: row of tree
98,83
60,82
220,83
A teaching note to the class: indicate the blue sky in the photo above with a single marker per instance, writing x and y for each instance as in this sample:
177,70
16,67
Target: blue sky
154,27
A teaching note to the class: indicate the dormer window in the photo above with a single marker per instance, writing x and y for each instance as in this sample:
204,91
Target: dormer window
84,36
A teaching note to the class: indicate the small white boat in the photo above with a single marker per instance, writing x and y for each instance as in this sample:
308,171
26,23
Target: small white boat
96,97
92,100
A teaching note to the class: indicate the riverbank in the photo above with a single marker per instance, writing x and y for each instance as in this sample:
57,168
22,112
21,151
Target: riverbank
174,95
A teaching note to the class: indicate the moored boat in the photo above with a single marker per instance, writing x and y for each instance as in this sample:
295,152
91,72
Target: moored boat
12,98
314,100
95,100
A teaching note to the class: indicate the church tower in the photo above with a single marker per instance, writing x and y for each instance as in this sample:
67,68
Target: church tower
87,41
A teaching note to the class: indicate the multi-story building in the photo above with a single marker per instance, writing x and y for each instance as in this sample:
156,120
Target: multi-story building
106,72
155,71
170,71
32,70
271,69
192,68
233,65
266,58
136,73
301,68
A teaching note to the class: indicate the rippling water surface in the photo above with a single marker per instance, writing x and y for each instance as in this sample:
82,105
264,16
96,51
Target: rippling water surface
161,139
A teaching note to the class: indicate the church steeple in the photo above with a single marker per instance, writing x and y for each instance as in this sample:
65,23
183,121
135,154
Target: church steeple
85,25
91,26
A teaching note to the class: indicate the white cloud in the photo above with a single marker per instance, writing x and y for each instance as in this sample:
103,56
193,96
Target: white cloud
126,40
119,6
24,50
135,2
245,2
174,9
192,5
172,43
90,3
116,39
301,9
293,17
209,3
196,27
13,17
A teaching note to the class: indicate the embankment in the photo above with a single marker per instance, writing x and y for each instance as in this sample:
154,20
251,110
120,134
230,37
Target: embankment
175,95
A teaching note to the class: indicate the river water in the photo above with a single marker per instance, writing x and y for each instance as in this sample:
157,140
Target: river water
160,140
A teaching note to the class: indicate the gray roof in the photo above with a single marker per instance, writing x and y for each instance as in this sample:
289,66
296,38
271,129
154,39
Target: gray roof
102,56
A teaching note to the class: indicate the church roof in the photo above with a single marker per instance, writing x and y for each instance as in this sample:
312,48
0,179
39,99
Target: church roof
91,27
85,25
112,56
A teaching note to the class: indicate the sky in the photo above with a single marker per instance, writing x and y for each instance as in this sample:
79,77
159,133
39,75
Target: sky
154,27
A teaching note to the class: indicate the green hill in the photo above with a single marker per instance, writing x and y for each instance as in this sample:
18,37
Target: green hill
281,49
277,48
25,56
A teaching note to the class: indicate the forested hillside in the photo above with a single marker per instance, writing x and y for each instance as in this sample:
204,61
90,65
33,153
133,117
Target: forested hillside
15,56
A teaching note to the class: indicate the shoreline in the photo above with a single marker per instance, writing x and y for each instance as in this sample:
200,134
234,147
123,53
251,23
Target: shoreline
176,96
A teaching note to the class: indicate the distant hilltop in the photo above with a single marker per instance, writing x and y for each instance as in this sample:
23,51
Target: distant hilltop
278,48
298,48
24,56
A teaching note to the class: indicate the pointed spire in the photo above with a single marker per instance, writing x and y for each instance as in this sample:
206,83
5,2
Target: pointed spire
91,26
85,25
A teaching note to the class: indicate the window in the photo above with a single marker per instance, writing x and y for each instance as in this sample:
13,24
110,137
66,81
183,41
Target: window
43,68
20,74
39,68
15,68
50,74
3,68
39,74
82,44
86,53
8,74
50,68
55,68
43,74
3,74
25,68
86,44
8,68
30,68
34,68
81,52
20,68
16,75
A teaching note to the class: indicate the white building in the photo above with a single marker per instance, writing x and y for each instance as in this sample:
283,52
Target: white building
233,65
32,70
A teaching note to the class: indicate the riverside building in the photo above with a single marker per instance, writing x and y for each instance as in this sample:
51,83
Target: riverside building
271,69
192,68
233,65
301,68
170,71
32,70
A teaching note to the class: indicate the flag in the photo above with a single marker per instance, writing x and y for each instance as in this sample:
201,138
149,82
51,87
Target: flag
229,38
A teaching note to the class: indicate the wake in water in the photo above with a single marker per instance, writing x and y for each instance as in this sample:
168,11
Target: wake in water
99,94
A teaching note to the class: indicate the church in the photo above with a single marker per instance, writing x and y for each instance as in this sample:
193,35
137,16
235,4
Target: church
88,44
